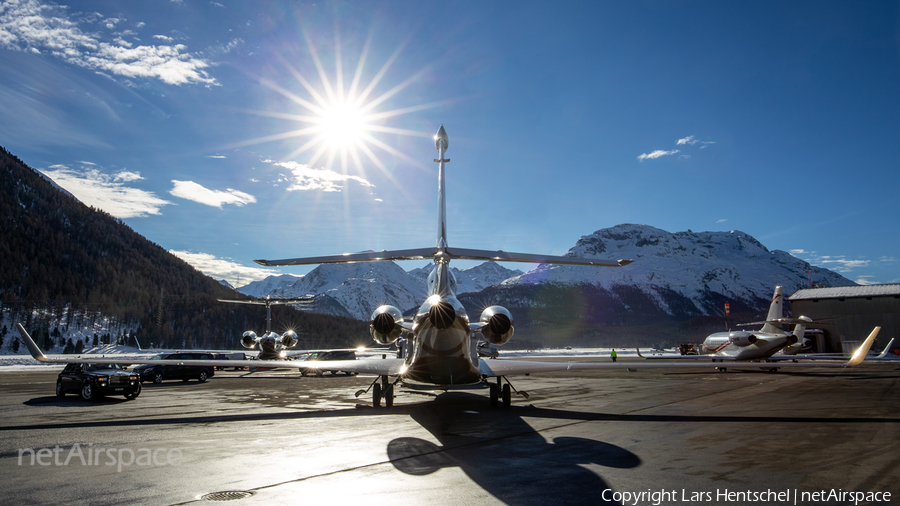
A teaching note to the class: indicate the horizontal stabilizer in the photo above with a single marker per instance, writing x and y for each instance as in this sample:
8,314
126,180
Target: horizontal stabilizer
267,302
505,256
458,253
365,256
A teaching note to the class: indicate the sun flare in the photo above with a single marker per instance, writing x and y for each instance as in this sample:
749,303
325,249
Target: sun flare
338,122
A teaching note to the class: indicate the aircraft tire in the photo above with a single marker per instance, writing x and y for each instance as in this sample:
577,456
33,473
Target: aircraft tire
376,395
60,390
495,395
507,396
389,396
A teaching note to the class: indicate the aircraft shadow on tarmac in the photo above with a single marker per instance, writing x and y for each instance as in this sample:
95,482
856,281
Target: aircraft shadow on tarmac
506,456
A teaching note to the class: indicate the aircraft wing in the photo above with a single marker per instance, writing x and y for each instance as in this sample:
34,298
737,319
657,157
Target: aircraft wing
835,356
701,358
392,366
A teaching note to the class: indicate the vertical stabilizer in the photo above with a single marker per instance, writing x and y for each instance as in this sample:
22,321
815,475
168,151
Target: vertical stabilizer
441,142
775,312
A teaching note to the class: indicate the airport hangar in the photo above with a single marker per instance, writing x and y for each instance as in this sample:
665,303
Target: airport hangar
855,310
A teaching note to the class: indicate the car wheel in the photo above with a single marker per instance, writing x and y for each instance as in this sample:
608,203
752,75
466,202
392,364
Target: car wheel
157,378
60,391
87,391
203,376
133,396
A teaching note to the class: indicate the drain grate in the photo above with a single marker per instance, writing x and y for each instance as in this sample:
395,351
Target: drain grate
227,495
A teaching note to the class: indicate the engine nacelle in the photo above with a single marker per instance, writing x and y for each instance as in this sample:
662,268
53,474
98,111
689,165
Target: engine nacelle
385,325
249,339
498,325
289,339
742,338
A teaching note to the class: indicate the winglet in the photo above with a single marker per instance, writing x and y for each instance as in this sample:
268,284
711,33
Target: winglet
886,349
36,352
639,353
861,352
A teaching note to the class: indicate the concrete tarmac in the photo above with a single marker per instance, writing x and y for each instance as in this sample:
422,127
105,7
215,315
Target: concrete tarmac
585,437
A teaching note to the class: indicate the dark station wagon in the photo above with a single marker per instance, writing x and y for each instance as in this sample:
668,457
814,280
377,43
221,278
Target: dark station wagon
93,381
159,372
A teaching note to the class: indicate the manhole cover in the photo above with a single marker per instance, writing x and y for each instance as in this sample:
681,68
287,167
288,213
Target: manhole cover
227,495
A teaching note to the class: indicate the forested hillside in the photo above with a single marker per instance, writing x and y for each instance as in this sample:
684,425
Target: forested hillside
65,265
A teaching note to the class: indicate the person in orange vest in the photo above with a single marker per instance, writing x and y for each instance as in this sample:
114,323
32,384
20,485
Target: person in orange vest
613,354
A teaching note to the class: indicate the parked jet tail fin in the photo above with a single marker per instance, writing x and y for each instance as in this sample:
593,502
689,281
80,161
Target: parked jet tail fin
886,349
861,352
36,352
505,256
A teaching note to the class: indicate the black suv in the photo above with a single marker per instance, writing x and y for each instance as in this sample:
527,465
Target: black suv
93,381
326,355
159,372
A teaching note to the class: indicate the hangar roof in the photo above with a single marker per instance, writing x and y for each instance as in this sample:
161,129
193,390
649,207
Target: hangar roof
846,291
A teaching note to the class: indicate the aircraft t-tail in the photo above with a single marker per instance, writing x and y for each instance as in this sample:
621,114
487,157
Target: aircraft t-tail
440,345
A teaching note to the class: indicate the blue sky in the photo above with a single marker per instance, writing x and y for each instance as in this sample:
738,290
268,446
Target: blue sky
229,131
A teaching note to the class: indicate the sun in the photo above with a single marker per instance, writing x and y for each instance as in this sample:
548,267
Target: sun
339,122
342,125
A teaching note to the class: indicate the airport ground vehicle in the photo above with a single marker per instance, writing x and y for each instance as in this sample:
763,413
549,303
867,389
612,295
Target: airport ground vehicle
159,372
93,381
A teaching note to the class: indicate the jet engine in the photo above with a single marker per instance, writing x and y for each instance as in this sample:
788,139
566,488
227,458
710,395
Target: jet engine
289,339
742,338
498,325
385,324
249,339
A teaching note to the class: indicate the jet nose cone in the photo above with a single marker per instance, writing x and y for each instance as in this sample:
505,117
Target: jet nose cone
440,138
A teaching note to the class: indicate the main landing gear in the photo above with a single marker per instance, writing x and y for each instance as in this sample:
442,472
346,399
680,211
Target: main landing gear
382,388
503,391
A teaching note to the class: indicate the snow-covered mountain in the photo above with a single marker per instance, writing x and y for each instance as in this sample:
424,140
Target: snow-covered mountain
701,269
473,279
271,285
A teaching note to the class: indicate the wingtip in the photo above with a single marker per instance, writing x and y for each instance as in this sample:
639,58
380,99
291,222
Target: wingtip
36,352
262,262
623,263
863,350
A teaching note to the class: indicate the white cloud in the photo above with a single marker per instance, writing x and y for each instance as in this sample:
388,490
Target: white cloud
126,176
164,38
307,178
216,198
865,280
216,156
723,220
656,154
106,192
689,140
220,268
839,264
27,25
